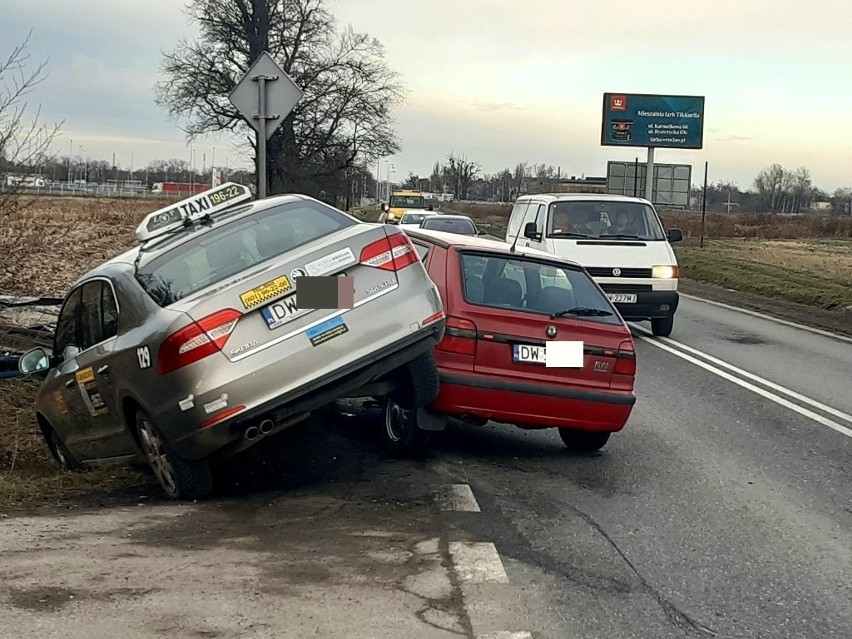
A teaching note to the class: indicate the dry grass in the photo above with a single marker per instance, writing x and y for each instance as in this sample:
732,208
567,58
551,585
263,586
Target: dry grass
764,225
48,245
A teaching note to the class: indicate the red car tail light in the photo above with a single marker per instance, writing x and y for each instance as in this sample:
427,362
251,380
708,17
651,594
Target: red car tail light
459,337
625,359
392,253
196,341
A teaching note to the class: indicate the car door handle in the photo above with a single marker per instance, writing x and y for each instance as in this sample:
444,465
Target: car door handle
103,370
69,383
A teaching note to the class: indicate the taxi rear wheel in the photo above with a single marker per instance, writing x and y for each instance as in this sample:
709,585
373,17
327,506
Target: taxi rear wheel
582,440
179,478
400,433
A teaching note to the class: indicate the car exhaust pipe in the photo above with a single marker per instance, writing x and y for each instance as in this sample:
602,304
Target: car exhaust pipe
266,426
251,433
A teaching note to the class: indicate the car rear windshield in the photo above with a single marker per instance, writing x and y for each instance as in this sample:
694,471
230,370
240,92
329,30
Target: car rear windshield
233,246
413,218
601,219
462,227
526,284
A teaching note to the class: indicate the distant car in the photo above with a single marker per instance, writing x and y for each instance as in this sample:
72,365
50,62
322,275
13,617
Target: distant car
191,346
449,223
530,340
414,218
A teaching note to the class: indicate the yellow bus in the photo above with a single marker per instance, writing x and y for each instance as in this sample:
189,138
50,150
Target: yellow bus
402,201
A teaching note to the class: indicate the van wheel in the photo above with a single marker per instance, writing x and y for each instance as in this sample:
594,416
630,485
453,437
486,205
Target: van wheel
583,441
179,478
400,433
662,326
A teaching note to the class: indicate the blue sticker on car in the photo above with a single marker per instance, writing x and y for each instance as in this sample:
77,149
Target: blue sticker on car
327,330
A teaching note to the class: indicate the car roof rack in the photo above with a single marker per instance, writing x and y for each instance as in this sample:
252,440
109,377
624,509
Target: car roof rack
189,210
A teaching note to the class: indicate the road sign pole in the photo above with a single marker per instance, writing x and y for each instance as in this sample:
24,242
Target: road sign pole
649,176
261,138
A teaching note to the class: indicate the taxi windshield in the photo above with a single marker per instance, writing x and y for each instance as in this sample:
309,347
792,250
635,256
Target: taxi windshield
227,249
601,219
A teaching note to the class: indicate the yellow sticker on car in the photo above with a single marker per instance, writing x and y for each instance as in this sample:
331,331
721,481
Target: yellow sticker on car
266,292
85,375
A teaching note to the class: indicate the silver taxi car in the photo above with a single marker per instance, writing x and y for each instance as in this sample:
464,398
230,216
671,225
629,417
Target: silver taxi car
191,347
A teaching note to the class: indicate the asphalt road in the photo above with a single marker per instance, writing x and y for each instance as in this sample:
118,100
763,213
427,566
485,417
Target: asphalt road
723,509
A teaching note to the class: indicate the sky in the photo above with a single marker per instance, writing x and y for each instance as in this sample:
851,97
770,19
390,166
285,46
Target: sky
500,81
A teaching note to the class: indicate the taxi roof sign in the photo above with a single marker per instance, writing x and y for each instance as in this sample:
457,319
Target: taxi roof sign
188,210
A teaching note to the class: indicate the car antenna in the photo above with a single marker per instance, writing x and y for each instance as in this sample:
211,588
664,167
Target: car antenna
517,235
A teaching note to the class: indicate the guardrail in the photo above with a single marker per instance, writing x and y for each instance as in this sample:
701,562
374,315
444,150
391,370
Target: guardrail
96,190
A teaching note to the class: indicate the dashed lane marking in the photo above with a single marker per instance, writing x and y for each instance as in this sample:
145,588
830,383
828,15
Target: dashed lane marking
458,497
477,562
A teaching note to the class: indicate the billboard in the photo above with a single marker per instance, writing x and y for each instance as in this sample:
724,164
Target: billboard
671,186
667,121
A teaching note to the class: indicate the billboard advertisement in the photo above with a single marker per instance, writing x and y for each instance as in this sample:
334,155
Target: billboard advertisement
671,186
660,121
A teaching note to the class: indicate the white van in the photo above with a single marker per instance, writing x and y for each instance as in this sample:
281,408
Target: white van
619,240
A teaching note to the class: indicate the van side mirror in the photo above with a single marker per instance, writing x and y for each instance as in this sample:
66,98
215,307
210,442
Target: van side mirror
675,235
530,231
430,208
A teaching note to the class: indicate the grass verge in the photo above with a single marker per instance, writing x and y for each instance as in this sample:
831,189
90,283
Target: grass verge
29,477
815,273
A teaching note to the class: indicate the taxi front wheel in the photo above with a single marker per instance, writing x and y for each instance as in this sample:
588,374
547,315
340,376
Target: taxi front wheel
179,478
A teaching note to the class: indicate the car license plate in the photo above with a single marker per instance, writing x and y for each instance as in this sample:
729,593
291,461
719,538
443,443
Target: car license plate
624,298
529,354
282,311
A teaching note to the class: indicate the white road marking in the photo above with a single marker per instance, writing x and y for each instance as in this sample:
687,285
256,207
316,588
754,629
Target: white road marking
843,430
770,318
739,371
458,497
505,634
477,562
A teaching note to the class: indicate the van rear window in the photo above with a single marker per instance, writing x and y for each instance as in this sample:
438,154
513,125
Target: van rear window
524,284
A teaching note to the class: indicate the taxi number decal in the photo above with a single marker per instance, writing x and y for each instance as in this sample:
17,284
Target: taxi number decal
144,357
266,292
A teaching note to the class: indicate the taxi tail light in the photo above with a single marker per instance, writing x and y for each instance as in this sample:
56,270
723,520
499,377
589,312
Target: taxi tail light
625,359
459,337
196,341
391,253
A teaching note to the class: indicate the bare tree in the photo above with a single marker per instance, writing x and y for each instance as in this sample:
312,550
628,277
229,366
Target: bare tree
344,116
24,141
770,183
460,172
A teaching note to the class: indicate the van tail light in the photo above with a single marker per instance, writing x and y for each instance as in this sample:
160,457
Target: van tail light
459,337
625,359
392,253
196,341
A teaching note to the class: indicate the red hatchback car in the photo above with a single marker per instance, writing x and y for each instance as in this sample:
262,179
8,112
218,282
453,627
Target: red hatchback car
530,340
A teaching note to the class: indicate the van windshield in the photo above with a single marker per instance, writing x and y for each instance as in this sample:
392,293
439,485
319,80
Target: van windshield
602,219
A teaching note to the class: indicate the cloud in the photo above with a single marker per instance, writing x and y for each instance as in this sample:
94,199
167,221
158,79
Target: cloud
735,138
496,106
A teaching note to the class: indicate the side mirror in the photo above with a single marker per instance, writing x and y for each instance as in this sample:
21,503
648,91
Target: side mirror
385,207
530,231
675,235
430,208
482,232
34,361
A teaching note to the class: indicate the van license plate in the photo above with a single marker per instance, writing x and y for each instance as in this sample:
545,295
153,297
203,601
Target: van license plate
623,298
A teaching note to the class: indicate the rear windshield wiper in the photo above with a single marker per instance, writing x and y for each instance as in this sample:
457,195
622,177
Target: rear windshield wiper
582,311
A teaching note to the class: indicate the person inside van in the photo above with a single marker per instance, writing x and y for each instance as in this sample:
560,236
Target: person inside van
625,224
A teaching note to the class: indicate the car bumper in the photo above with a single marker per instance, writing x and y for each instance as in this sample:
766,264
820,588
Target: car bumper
536,405
225,437
648,305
